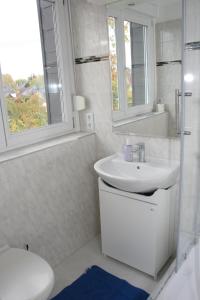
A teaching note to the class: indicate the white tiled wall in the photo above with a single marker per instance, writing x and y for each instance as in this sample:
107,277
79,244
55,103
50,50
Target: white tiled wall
48,200
168,48
193,26
89,40
168,80
168,40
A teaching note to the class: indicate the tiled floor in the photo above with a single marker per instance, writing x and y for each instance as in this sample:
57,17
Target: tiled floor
71,268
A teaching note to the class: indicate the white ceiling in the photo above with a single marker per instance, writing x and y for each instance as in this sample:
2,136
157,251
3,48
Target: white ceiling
157,2
161,10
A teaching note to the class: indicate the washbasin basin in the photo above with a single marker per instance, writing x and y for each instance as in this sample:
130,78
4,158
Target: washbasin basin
137,177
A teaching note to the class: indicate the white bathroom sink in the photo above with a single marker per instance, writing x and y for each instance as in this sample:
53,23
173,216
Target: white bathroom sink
137,177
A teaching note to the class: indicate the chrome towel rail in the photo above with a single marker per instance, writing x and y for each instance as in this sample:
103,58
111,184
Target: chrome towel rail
178,95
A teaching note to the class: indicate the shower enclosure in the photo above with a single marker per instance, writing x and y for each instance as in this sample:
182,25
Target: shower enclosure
189,188
189,196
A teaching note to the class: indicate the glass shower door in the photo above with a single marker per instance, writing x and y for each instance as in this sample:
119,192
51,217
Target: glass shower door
189,196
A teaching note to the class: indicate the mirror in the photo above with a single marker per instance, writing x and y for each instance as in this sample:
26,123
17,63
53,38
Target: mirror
145,66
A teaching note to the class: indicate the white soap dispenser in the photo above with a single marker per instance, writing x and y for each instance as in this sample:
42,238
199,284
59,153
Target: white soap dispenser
160,107
128,150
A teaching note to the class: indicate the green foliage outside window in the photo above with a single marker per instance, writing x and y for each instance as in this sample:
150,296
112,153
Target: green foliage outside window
26,103
113,63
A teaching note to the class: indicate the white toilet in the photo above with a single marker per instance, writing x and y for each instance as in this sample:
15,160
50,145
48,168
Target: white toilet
24,275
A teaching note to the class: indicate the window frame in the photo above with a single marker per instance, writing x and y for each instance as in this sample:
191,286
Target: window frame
66,69
131,15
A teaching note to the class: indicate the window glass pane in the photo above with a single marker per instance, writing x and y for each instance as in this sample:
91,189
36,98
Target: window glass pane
113,63
50,58
136,63
28,80
128,62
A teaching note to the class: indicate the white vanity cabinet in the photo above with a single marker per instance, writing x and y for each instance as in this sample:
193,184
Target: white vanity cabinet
137,229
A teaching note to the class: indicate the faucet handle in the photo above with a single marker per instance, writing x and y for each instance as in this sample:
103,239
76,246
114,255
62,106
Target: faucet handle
141,151
140,146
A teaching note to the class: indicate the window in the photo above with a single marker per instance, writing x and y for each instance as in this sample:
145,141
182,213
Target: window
136,66
131,45
36,74
113,63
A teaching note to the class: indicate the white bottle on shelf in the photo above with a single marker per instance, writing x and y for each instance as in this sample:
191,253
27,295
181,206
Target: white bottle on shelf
160,107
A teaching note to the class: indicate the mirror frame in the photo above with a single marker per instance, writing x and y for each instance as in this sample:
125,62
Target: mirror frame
121,15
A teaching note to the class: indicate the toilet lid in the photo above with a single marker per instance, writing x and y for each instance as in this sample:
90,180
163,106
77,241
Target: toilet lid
24,276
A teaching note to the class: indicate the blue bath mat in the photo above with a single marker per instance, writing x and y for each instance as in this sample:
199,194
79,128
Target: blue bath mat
97,284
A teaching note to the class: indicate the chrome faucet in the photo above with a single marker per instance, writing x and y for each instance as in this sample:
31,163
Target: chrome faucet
140,149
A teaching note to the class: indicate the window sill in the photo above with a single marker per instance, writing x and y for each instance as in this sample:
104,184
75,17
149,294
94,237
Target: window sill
15,153
136,118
